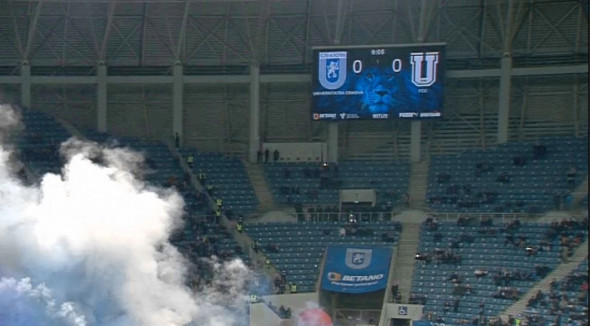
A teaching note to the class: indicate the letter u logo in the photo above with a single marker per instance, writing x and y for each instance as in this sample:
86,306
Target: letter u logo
419,78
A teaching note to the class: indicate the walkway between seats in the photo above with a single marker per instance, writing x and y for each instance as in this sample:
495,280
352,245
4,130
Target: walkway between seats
261,187
407,247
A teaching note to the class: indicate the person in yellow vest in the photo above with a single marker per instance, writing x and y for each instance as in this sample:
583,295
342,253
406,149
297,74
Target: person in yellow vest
190,160
293,288
210,189
217,216
267,262
219,203
240,227
253,298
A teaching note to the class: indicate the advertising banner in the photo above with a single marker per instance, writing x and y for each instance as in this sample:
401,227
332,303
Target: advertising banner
356,269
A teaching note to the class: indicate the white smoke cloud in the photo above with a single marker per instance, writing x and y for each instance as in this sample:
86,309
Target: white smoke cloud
95,241
38,302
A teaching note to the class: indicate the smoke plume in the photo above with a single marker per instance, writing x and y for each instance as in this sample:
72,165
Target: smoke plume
90,247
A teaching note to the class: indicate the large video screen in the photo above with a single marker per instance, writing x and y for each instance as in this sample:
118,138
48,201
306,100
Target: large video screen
378,82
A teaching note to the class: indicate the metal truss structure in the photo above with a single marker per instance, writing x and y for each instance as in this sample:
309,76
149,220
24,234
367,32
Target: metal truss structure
219,34
517,59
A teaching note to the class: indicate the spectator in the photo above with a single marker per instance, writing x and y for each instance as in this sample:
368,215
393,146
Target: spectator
568,200
482,307
447,307
443,177
453,277
503,177
266,155
202,177
539,151
190,160
541,270
486,221
388,237
394,289
462,221
431,222
557,200
176,140
480,272
342,232
505,292
530,251
519,161
275,155
256,246
466,238
437,237
482,167
259,156
571,177
272,247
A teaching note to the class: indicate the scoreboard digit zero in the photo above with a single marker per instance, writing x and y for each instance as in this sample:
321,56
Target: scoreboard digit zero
378,82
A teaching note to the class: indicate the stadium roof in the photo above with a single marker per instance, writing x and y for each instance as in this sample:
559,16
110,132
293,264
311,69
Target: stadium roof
224,34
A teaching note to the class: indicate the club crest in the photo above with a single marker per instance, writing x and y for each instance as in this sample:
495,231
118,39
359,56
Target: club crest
425,78
358,258
332,69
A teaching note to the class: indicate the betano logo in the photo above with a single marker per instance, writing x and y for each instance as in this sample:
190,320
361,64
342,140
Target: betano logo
362,278
337,277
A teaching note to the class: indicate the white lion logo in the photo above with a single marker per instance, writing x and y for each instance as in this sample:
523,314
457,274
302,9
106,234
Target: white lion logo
332,69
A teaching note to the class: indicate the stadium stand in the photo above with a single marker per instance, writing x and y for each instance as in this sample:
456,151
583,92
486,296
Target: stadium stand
467,272
509,177
311,183
470,271
202,235
566,303
39,142
228,177
296,249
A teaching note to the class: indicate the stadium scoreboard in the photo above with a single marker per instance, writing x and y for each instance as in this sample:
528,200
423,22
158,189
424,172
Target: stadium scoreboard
378,82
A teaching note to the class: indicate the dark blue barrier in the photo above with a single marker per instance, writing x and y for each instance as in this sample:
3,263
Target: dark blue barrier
356,269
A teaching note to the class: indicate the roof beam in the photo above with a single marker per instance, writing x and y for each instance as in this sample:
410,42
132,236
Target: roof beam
181,34
281,78
107,32
147,1
340,20
32,30
143,33
263,23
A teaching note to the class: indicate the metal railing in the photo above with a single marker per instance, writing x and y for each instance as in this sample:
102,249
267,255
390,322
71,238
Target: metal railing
390,216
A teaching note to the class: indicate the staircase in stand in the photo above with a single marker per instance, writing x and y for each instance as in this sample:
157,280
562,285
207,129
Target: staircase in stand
418,184
261,187
558,273
406,254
